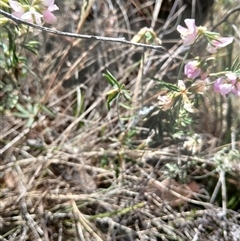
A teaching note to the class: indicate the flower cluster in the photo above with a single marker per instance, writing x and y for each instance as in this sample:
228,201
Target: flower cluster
230,83
190,34
36,11
197,70
165,102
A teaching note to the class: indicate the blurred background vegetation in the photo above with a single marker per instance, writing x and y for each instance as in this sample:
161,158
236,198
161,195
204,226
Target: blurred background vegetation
72,169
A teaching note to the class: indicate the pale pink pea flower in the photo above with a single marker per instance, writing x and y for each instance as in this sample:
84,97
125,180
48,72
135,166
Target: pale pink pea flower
18,10
192,70
225,85
48,17
236,83
30,14
236,90
220,86
218,43
188,34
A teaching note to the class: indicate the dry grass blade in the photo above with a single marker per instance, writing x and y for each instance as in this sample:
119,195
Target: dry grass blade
85,223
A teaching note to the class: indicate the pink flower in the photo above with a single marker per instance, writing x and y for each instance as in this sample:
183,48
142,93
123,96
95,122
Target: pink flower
32,16
236,90
218,43
188,34
224,85
18,9
35,12
221,87
47,14
191,69
236,83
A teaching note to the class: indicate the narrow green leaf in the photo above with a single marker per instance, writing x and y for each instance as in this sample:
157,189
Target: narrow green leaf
3,4
125,106
48,111
167,85
111,79
236,65
35,109
30,108
30,122
32,46
21,115
111,95
126,95
21,109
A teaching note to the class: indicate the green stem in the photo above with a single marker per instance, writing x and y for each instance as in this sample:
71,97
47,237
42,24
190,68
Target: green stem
184,59
117,212
118,113
219,73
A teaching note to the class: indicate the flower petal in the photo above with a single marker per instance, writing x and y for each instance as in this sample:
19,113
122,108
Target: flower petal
225,89
49,17
218,43
232,77
188,34
222,41
190,23
16,6
53,8
218,82
191,69
48,2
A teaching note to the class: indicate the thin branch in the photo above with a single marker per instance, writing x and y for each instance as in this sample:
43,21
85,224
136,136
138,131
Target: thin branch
82,36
